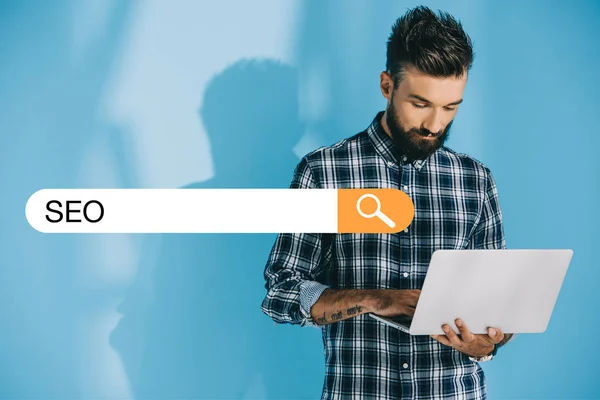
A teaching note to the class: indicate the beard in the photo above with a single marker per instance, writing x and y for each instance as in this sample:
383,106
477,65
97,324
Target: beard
412,142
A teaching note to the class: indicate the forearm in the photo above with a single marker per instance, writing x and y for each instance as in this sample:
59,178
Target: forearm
340,304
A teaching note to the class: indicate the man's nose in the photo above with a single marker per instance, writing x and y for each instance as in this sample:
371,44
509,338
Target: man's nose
434,123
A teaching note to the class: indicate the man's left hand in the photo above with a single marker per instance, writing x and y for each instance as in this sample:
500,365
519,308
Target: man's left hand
468,343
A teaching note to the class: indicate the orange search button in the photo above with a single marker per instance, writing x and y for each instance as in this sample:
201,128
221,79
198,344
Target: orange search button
374,210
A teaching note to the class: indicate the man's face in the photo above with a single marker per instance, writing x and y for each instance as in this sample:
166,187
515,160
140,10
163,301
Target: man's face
420,110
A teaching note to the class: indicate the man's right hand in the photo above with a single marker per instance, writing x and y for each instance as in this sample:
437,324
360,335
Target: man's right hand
392,302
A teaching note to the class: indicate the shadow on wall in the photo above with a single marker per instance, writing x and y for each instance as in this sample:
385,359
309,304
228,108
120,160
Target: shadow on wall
192,325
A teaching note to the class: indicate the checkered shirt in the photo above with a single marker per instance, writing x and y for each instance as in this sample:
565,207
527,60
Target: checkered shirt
456,207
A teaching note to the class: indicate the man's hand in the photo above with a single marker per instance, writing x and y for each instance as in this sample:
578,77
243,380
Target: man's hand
392,302
469,343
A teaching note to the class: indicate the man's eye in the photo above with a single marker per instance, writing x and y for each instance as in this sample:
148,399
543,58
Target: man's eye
419,105
449,108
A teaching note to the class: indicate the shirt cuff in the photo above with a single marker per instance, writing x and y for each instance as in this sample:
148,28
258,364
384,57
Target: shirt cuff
310,291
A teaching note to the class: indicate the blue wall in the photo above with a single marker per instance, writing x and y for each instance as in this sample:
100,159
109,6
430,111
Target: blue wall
194,94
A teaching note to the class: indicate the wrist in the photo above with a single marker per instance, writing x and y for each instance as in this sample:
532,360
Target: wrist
489,355
488,351
491,351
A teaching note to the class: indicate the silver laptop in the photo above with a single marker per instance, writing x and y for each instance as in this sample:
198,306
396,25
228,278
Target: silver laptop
513,290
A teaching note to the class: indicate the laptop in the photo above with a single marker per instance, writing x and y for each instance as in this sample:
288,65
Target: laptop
514,290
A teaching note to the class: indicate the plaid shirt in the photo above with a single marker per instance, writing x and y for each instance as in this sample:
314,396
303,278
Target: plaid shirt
456,207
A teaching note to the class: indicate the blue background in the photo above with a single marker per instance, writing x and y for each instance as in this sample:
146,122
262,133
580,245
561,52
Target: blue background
109,93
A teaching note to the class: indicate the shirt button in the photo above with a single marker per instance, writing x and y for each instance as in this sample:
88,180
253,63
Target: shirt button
405,274
390,164
405,188
404,158
405,365
406,230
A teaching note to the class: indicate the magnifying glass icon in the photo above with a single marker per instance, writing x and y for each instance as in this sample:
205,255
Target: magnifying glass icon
377,212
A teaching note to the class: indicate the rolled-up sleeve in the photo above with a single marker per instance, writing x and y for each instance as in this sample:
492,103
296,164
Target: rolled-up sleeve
293,265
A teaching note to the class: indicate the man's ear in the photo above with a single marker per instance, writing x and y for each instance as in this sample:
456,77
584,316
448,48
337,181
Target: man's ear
386,84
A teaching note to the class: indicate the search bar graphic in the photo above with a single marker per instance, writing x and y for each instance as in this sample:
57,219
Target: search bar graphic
219,210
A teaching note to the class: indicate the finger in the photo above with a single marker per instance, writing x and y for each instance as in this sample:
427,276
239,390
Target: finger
452,336
495,335
465,334
442,339
410,311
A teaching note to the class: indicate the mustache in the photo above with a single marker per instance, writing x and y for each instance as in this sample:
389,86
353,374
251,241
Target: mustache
427,132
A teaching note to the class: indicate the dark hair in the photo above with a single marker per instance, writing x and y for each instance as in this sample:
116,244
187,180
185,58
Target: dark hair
434,44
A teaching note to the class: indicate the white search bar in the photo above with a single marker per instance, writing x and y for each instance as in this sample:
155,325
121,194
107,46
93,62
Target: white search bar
218,210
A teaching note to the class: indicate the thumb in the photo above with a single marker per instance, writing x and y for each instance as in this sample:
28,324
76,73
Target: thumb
493,335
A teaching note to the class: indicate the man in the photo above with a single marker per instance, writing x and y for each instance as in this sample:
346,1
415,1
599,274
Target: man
332,281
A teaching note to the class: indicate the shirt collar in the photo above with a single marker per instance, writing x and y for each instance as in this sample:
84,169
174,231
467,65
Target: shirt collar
384,144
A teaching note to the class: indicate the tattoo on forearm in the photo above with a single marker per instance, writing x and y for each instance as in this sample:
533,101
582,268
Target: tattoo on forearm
337,316
354,310
322,320
339,298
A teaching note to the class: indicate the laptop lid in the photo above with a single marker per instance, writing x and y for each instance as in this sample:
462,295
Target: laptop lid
514,290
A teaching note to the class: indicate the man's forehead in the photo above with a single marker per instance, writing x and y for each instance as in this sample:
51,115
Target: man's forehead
442,90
